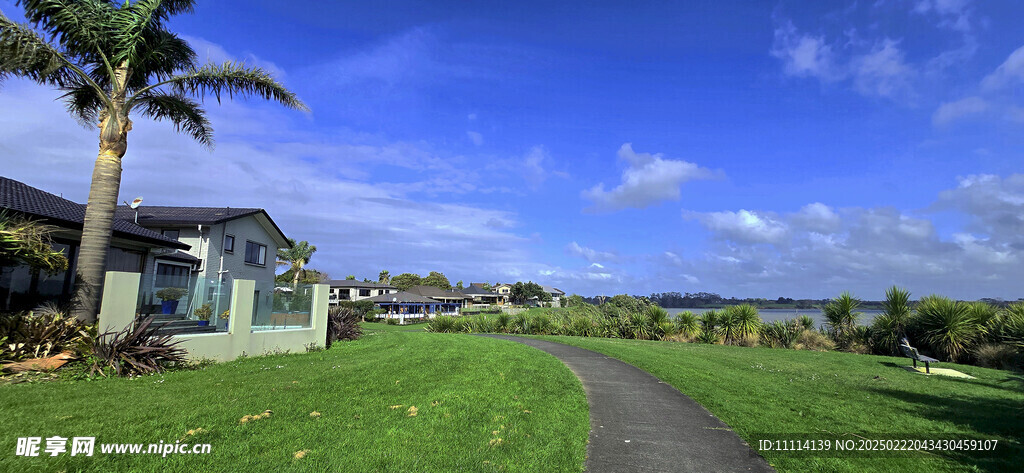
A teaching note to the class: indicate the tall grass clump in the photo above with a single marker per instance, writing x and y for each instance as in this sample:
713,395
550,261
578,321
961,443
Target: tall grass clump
442,324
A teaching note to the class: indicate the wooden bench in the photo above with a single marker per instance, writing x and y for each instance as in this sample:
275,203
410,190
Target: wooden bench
912,353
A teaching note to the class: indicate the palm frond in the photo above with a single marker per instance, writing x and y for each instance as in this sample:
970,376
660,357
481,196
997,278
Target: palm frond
134,24
82,103
185,114
24,53
81,28
232,79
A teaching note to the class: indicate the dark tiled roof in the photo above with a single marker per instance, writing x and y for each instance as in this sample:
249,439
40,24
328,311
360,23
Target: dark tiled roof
156,215
477,291
39,204
358,284
403,298
164,215
179,256
436,292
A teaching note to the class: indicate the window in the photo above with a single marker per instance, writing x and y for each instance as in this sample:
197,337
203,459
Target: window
255,253
169,275
364,293
380,292
229,243
172,234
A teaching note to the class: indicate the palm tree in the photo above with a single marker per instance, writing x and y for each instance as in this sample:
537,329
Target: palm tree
297,256
384,277
111,60
841,318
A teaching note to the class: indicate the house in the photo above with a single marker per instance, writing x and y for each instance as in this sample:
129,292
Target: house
132,247
479,295
352,290
403,305
556,294
225,244
449,297
504,289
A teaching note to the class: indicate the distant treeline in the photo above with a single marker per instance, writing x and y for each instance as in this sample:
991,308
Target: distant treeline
710,300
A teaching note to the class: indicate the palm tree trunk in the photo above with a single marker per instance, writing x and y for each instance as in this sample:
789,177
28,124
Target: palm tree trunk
99,211
96,232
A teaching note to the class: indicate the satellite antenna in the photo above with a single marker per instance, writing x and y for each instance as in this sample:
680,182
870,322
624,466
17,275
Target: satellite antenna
135,206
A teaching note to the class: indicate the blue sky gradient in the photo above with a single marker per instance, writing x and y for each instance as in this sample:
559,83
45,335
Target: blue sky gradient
754,149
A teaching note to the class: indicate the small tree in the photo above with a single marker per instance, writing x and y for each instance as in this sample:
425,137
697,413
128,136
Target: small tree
436,279
405,280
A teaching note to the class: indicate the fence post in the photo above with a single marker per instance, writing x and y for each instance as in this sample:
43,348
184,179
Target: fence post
240,323
318,312
120,296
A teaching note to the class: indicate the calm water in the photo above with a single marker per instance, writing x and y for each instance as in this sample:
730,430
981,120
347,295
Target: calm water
771,315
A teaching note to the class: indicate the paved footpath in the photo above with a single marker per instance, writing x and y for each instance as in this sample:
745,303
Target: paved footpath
639,423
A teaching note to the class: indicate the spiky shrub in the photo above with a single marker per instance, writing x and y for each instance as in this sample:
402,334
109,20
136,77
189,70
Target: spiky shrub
607,327
727,325
44,332
841,317
136,350
481,324
806,322
501,322
687,325
342,324
657,318
709,321
462,325
709,336
747,321
891,325
948,327
1008,326
540,324
24,241
779,334
580,326
637,325
441,324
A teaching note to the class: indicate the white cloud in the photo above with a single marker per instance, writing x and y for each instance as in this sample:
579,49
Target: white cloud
1008,73
743,226
882,71
817,217
475,137
952,111
591,255
953,14
647,180
803,55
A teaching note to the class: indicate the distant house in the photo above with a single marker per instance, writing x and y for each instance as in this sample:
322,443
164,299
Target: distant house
405,305
133,248
352,290
556,294
504,289
451,297
225,244
479,295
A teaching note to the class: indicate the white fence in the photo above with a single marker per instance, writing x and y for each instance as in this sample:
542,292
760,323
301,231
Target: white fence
118,310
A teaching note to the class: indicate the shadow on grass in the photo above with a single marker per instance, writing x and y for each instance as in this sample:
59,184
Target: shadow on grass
1014,382
987,417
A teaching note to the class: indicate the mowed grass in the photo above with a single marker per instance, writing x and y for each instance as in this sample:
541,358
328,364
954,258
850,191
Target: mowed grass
468,393
762,391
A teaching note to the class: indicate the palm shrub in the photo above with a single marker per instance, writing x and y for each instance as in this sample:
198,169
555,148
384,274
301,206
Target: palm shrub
687,325
481,324
1008,327
948,326
709,321
658,321
747,321
779,334
607,327
461,325
841,317
540,324
727,325
580,326
709,336
501,322
520,324
44,332
136,350
441,324
890,326
806,322
342,324
638,326
24,241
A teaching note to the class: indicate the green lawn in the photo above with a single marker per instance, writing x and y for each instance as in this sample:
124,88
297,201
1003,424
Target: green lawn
759,391
468,391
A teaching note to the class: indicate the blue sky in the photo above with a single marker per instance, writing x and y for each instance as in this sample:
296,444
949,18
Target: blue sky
754,149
